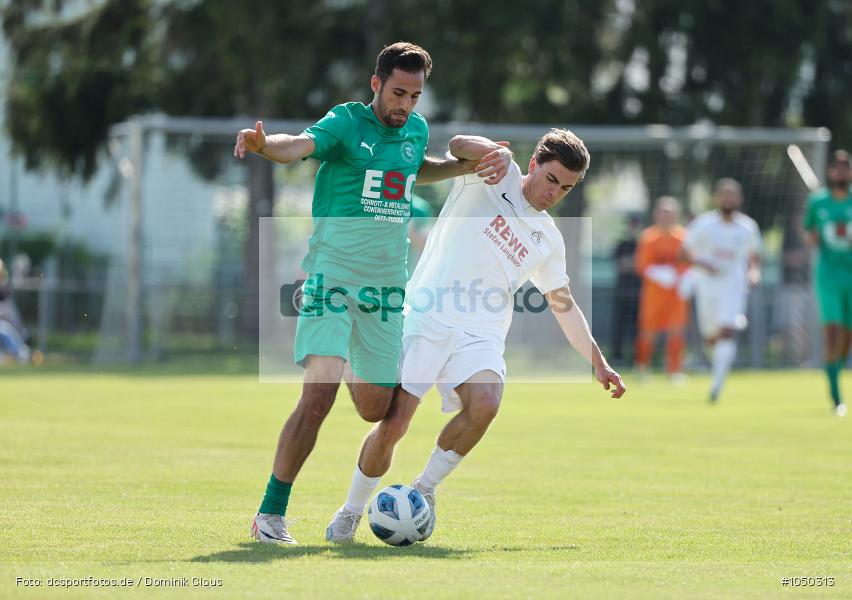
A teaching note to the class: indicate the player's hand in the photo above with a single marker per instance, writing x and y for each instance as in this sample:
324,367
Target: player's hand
493,166
250,140
753,277
607,377
467,165
707,266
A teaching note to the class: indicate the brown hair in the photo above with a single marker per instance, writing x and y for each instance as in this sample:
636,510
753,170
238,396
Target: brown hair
405,56
564,146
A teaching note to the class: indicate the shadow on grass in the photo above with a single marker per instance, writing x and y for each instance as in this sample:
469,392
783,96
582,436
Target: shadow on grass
248,552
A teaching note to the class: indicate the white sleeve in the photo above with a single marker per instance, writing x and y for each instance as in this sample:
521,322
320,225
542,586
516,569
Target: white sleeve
755,241
691,240
551,274
511,183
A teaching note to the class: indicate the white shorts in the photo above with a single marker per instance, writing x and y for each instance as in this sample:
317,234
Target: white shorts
720,306
443,356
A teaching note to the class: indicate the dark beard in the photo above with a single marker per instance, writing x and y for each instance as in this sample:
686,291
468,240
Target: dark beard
838,184
384,115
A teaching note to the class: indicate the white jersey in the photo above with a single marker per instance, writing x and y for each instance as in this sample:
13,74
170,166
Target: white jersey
487,242
727,245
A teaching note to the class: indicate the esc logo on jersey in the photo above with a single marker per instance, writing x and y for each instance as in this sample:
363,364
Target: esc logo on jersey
391,185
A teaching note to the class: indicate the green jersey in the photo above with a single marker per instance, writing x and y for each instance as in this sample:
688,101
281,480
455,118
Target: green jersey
832,220
362,195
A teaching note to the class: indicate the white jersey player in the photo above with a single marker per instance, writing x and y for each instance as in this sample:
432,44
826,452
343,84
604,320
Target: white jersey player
724,247
488,241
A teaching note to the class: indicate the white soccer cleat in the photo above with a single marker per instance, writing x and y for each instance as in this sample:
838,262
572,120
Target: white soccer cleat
268,528
429,496
840,410
343,526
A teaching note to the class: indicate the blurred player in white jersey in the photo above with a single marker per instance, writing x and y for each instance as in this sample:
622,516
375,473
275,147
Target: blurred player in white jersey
488,241
724,248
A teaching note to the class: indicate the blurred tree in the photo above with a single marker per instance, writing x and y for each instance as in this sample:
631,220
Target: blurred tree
260,59
826,75
74,77
79,69
680,62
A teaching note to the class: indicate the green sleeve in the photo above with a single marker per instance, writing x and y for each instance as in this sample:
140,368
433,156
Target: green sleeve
329,133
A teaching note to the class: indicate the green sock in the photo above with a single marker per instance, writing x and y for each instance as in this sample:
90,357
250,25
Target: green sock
833,371
276,497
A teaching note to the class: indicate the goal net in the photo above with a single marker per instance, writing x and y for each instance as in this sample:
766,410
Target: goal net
179,279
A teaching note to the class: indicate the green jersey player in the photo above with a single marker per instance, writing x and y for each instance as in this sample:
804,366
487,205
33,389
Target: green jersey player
371,155
828,218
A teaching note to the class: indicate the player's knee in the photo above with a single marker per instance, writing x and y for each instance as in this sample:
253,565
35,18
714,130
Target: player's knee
373,410
373,414
392,430
314,413
484,406
315,403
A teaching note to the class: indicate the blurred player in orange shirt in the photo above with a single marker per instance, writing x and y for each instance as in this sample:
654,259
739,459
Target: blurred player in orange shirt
661,309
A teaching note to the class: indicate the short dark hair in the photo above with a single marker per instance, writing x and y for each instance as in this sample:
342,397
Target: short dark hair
840,156
405,56
728,183
564,146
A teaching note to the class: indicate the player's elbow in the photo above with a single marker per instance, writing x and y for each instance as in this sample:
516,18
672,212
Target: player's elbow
456,145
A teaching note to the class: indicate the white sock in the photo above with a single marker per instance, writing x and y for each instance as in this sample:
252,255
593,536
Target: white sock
440,464
360,491
724,353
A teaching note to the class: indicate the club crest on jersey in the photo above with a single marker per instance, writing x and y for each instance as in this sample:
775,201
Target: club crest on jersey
537,237
406,149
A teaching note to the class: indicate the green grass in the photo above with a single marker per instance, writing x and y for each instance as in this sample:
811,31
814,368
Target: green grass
570,494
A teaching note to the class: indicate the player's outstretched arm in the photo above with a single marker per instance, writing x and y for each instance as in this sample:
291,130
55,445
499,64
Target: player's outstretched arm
492,159
688,257
575,327
434,170
281,148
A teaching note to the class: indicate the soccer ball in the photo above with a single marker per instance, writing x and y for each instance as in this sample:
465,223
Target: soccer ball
399,515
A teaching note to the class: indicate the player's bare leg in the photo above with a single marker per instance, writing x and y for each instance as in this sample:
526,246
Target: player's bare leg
297,439
374,461
480,398
845,344
836,353
371,401
377,449
299,434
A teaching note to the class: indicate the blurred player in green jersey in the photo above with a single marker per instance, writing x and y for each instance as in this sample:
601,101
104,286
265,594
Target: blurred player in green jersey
828,218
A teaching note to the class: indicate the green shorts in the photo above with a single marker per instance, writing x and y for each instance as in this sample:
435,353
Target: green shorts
835,300
360,323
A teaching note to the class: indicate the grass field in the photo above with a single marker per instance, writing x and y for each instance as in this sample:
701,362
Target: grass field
571,494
